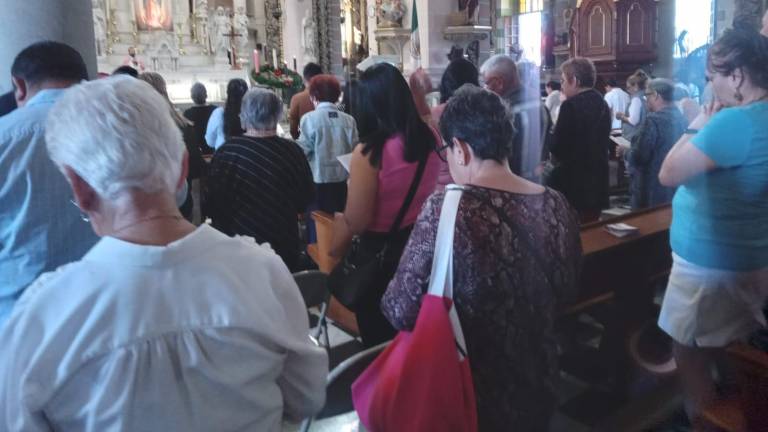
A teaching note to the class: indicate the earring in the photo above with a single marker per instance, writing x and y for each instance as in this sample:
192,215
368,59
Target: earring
738,96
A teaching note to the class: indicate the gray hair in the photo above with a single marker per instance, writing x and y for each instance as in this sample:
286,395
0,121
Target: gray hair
117,134
502,64
199,93
261,110
662,87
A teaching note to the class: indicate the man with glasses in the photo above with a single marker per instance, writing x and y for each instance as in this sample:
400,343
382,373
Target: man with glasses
531,121
657,134
39,229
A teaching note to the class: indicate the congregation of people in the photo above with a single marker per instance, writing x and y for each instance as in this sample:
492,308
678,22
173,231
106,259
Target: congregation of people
122,308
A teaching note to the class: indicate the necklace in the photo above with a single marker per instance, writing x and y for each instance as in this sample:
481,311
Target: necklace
144,220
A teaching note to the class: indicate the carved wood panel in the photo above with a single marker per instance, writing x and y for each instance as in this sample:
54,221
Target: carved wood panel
596,28
637,21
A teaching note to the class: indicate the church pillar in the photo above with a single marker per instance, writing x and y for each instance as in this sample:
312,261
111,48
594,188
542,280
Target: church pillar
433,19
293,40
29,21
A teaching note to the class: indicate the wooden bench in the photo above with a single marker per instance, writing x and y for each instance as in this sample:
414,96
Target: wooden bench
746,411
613,268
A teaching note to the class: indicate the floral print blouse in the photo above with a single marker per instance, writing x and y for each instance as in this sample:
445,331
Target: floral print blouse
515,257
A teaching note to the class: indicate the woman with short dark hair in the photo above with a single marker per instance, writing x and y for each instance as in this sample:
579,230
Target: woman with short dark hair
719,231
459,72
516,255
396,152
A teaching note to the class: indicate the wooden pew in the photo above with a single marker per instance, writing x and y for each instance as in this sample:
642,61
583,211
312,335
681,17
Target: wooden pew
746,411
612,268
623,270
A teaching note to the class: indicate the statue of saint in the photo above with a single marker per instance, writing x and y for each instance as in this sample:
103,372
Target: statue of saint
470,7
391,13
241,27
308,36
99,28
221,26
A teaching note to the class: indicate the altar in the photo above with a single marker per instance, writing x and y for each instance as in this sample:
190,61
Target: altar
187,41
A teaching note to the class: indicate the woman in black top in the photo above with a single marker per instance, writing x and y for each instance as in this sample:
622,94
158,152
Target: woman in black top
259,183
581,141
199,114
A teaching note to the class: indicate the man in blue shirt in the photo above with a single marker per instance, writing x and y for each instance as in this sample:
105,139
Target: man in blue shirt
40,229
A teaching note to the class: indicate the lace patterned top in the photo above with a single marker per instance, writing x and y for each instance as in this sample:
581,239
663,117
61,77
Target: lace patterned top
515,257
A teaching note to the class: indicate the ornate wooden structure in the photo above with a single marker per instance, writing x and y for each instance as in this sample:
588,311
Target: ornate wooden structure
620,36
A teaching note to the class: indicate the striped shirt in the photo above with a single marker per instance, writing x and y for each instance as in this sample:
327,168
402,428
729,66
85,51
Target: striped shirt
257,187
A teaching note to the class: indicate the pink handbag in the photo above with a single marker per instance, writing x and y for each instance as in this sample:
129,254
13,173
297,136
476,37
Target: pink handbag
422,381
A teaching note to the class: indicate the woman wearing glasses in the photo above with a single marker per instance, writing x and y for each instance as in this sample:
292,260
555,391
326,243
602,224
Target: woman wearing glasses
516,254
661,129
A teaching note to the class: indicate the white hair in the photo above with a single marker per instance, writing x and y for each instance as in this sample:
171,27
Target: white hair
261,109
117,134
503,64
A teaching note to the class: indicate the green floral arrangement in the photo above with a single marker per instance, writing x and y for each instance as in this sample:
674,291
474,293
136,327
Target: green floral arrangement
280,78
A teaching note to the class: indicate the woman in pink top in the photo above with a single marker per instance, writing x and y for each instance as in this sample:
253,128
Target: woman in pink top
395,141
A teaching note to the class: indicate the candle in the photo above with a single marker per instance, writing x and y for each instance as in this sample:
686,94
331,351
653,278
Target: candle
294,63
274,58
256,60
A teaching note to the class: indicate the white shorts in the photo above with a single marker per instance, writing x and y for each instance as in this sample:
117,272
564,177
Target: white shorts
711,308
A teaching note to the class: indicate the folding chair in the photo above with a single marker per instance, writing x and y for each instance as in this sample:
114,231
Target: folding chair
313,285
366,355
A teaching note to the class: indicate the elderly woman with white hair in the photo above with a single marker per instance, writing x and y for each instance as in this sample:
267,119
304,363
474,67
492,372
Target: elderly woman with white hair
146,332
259,183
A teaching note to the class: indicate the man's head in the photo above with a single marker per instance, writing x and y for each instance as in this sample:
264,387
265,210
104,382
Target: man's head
199,93
499,74
610,85
310,71
45,65
132,51
126,70
659,93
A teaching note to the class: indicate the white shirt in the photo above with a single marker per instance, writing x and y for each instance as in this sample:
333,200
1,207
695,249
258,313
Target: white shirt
327,133
149,338
618,101
553,104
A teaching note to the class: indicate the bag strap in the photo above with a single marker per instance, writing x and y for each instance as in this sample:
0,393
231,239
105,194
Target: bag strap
441,279
409,198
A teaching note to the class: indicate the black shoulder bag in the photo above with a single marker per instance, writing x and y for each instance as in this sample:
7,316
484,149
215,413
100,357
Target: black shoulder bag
361,269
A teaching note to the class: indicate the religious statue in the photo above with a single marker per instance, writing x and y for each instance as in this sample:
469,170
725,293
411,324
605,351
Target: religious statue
99,28
308,37
470,9
201,23
221,27
391,13
241,27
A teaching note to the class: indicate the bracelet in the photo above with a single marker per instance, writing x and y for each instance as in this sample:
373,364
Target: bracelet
690,131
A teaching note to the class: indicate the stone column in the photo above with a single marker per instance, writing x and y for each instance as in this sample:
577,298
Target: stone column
295,11
433,19
29,21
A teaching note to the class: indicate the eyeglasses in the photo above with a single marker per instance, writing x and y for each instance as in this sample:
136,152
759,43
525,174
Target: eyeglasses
440,151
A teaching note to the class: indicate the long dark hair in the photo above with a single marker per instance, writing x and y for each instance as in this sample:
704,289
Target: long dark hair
385,108
459,72
236,89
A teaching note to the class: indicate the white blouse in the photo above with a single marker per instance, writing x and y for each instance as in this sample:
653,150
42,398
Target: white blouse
149,338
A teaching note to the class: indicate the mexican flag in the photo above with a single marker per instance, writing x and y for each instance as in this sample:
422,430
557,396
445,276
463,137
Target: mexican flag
415,42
